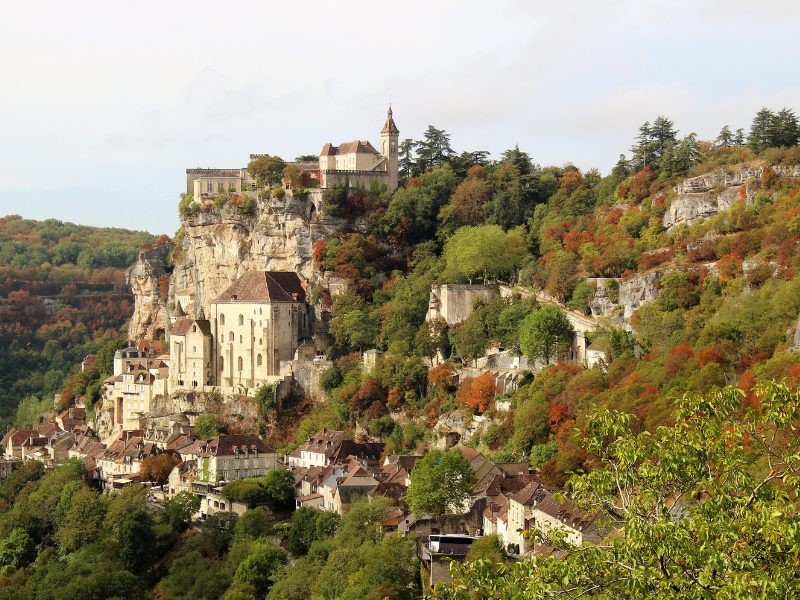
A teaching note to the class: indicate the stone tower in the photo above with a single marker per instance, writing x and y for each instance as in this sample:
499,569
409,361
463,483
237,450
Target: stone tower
389,137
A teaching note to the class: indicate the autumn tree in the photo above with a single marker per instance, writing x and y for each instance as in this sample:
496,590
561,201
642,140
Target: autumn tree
546,333
266,169
477,392
157,467
484,251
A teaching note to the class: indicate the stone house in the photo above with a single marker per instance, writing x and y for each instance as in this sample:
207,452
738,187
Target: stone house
119,464
231,457
333,447
190,354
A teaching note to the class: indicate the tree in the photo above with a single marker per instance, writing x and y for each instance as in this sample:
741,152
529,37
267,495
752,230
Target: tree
470,339
406,162
725,137
157,467
248,490
477,392
304,529
16,551
179,509
206,426
266,169
279,487
705,508
761,130
546,334
441,484
264,559
434,150
293,174
486,251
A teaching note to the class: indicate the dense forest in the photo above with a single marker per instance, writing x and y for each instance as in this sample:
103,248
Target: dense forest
62,296
685,408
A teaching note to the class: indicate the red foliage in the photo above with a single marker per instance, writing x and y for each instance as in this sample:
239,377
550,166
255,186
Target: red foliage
640,183
477,392
559,414
677,358
648,391
318,252
655,258
709,355
412,182
393,398
614,215
574,239
746,383
729,266
442,376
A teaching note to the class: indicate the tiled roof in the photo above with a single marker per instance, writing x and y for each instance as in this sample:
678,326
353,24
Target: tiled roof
389,126
265,286
183,326
224,445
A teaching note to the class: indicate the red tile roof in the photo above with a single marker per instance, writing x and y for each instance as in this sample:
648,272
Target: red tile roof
265,286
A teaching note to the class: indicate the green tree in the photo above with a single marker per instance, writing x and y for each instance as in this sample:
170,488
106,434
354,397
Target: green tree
441,484
279,487
546,333
206,426
706,508
761,130
725,137
264,559
484,251
434,150
16,551
179,509
266,169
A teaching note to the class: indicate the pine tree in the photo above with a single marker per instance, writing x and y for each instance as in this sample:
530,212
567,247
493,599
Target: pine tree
725,138
761,130
786,131
738,139
406,165
435,149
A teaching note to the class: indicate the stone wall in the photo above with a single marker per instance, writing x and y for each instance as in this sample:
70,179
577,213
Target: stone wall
305,376
454,302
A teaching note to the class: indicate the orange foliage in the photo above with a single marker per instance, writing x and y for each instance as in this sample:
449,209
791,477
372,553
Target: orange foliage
655,258
393,397
648,390
729,266
746,383
442,376
677,358
575,239
318,252
559,414
477,392
571,180
709,355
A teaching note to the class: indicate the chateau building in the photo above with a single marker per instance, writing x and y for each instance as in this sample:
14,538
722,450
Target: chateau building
259,321
359,164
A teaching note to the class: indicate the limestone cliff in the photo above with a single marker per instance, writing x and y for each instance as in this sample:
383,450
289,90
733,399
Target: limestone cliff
706,195
217,245
636,291
147,280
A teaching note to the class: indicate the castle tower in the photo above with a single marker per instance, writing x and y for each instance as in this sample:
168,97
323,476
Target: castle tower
389,137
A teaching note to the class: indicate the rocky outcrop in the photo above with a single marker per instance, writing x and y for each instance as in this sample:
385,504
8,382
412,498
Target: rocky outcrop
604,300
636,291
147,279
220,246
709,194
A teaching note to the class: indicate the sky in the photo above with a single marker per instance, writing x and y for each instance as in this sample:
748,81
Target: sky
104,104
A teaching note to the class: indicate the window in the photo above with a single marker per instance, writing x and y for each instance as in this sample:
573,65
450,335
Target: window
194,328
241,340
221,363
241,319
210,187
259,311
220,186
231,337
241,363
258,360
194,349
222,319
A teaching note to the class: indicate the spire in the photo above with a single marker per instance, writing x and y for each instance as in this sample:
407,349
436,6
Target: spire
389,126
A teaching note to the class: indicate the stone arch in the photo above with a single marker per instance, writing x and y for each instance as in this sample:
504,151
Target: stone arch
240,364
221,319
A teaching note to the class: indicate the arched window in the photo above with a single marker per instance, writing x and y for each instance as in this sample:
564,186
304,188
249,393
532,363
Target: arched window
260,341
241,363
221,363
222,319
194,328
241,319
231,336
258,360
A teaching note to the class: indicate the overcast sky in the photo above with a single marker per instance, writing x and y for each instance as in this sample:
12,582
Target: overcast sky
104,104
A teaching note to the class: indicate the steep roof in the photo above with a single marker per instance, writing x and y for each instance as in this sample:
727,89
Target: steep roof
224,445
183,326
265,286
389,126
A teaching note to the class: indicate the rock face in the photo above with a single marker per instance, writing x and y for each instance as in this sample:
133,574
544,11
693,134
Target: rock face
145,279
704,196
601,303
637,291
219,245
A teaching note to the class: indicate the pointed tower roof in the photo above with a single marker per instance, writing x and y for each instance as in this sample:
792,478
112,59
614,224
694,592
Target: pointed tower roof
389,126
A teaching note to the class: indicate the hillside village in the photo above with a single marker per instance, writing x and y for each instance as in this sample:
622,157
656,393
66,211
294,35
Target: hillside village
254,347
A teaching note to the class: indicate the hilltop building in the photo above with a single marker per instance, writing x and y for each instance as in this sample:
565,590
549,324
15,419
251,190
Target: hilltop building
359,164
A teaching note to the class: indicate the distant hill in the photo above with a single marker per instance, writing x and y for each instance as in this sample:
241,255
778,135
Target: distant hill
62,291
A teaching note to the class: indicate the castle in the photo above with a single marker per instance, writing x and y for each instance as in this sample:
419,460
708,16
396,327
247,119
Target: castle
356,163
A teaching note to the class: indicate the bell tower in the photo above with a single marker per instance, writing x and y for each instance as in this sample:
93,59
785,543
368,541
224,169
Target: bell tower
389,149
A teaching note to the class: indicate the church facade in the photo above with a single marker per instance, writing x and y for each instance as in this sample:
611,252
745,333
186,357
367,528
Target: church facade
259,321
